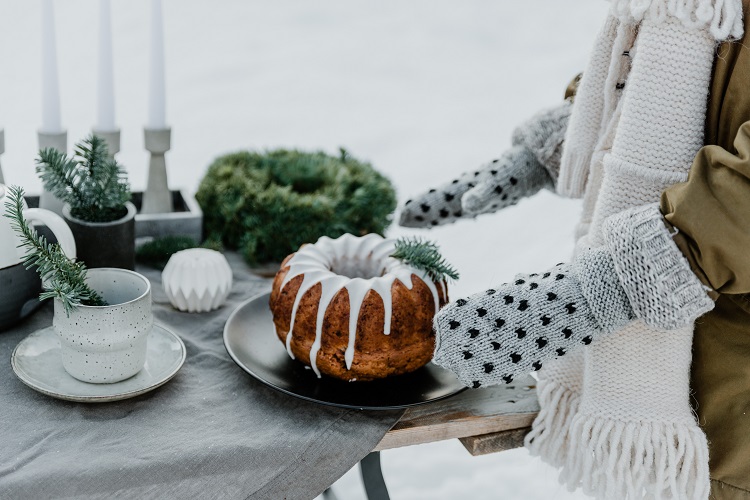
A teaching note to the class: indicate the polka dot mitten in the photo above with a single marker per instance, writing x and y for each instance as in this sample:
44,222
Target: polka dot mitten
494,336
531,164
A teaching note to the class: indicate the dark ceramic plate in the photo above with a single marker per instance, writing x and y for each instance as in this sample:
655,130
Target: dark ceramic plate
250,340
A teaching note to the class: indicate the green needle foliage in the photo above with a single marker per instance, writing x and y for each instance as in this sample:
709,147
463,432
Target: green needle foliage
425,256
95,185
156,253
63,279
268,204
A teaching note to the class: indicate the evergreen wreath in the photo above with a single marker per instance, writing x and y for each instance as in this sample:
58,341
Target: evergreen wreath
425,256
95,185
268,204
62,278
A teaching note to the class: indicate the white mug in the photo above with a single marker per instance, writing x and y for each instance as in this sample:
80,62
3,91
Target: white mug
10,253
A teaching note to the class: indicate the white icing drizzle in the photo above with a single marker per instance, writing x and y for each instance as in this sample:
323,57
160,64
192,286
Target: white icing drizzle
362,264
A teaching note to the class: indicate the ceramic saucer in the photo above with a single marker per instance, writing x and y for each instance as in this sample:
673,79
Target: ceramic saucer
37,362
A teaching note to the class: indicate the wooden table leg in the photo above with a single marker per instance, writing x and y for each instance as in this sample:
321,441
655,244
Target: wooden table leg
372,477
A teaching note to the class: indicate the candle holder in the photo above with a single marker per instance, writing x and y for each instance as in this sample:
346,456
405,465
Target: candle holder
59,141
157,198
112,138
2,150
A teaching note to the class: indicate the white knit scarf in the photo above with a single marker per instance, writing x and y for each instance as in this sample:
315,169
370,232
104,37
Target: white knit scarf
617,419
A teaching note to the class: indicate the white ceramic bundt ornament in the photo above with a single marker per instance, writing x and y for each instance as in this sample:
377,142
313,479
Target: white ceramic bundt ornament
197,280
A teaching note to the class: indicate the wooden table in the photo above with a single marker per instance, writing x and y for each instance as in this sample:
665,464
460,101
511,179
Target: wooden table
485,420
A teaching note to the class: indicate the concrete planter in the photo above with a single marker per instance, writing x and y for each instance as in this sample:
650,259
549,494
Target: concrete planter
105,244
107,344
185,219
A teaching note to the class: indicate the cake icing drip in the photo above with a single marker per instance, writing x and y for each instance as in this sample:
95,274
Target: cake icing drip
357,264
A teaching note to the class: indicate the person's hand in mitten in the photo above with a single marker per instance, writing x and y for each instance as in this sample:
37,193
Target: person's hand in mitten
530,165
494,336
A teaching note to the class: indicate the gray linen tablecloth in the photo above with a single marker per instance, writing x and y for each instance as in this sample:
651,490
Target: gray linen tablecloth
211,432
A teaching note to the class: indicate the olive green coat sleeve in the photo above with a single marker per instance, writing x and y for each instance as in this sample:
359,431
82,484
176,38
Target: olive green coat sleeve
712,213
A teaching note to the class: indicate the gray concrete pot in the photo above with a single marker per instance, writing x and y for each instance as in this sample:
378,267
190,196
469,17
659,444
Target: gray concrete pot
106,344
105,244
19,294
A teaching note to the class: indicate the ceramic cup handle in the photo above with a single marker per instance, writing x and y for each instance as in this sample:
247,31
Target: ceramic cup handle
58,227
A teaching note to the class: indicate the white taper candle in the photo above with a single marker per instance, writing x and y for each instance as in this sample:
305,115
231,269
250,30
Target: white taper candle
105,117
157,89
51,122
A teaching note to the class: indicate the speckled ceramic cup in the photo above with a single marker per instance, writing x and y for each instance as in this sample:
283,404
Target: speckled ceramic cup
107,344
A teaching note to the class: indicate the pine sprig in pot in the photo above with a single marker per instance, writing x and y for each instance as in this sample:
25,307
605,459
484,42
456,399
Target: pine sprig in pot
425,256
93,184
62,278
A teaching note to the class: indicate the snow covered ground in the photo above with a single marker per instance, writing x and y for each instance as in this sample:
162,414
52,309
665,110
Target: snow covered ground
423,89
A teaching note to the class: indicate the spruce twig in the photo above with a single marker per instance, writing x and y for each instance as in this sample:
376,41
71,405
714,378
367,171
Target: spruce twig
425,256
63,279
94,184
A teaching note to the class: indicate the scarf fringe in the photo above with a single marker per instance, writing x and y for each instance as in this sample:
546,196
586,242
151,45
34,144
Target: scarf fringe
634,460
722,18
549,436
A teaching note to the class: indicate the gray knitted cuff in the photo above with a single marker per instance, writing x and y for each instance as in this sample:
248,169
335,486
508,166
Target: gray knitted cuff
543,135
496,185
603,291
656,277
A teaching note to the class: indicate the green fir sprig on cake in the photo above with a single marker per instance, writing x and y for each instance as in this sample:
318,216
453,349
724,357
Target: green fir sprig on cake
425,256
91,182
62,278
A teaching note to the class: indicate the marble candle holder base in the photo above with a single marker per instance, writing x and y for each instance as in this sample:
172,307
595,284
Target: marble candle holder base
157,198
58,141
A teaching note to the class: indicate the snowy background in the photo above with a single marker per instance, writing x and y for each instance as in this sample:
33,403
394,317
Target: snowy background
424,89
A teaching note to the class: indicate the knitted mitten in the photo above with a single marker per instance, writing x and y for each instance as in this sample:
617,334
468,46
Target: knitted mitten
531,164
494,336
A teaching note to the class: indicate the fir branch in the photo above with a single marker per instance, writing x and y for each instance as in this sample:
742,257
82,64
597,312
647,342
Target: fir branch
58,174
62,278
94,184
425,256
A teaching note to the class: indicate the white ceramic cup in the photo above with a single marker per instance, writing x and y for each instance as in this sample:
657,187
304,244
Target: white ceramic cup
106,344
10,252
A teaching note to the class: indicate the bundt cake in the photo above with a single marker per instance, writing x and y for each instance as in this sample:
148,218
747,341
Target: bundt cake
349,310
